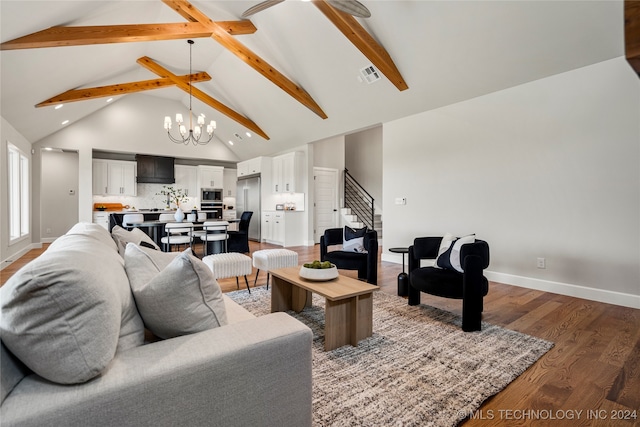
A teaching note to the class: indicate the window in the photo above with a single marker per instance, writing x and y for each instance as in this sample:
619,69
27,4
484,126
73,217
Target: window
18,193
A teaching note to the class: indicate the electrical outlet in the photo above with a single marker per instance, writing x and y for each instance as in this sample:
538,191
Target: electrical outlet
48,231
542,263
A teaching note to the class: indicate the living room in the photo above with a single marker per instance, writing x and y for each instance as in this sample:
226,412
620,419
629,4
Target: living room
541,159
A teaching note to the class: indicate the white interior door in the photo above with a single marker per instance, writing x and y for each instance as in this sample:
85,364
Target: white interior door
326,200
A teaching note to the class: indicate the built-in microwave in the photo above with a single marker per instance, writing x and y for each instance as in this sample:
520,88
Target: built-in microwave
211,195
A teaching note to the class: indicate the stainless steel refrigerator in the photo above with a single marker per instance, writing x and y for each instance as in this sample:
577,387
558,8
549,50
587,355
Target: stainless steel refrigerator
248,199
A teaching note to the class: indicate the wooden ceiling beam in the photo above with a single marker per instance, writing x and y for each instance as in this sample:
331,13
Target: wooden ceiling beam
218,33
632,33
78,36
361,39
153,66
74,95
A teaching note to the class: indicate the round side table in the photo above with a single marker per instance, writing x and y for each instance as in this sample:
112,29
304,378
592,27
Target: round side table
403,278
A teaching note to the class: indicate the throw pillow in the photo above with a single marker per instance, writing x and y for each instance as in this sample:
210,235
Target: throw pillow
67,313
353,239
445,244
451,257
123,236
179,299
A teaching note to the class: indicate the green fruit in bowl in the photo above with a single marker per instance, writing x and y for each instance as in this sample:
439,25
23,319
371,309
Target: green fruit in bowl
318,265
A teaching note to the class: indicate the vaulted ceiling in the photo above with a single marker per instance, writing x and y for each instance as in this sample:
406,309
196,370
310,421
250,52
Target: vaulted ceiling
444,52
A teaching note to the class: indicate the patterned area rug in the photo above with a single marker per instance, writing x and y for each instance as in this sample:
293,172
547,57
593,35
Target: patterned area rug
418,368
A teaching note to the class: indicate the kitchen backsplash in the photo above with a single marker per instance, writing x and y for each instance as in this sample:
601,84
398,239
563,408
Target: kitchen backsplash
146,198
291,199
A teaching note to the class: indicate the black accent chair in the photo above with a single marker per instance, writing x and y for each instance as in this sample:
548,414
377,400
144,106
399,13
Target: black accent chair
365,263
239,240
470,286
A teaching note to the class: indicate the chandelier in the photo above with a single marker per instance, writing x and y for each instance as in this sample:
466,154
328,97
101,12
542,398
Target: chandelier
194,133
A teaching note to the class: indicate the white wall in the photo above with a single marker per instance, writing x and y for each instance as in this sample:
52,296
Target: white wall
363,159
547,169
10,252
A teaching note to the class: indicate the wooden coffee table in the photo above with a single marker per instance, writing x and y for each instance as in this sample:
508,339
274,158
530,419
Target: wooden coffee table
348,313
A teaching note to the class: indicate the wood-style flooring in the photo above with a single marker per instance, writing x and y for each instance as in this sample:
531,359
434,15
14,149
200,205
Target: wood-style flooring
590,378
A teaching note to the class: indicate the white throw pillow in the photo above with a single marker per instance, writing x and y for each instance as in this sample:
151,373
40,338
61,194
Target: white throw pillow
353,239
123,236
451,257
445,244
179,299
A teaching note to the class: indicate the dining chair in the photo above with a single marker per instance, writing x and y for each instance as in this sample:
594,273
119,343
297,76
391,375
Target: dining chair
177,233
214,231
129,219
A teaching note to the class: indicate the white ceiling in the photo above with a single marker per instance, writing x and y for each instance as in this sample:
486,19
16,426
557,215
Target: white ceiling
447,51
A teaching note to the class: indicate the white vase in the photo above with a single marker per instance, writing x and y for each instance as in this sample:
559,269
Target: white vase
179,215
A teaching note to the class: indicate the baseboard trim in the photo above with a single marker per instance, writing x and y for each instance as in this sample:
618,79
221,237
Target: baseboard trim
7,262
568,289
577,291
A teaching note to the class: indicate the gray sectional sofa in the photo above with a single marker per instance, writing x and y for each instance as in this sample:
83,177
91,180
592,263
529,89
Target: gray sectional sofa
74,353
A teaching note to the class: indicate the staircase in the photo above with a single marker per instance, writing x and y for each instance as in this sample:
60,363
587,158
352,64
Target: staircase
359,207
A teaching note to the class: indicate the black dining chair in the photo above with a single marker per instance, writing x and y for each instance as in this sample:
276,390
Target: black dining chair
239,240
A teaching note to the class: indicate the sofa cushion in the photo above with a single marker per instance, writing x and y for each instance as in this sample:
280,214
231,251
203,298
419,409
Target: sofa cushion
122,236
94,231
66,313
179,299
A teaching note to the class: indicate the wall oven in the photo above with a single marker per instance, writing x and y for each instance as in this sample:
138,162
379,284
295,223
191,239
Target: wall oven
211,195
213,209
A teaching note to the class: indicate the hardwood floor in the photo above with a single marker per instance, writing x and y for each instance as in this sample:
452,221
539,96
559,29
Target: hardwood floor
590,378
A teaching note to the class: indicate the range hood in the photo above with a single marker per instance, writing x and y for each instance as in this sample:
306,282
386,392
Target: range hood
155,169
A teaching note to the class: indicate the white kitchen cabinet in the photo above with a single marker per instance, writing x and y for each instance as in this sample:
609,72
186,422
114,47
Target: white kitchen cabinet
101,218
211,176
287,172
250,167
284,228
114,177
187,179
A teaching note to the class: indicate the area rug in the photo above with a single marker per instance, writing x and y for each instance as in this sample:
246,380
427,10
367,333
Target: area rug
418,368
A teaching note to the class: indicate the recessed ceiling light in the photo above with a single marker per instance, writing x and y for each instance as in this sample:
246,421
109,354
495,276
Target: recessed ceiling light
110,99
59,106
65,122
48,148
230,142
248,134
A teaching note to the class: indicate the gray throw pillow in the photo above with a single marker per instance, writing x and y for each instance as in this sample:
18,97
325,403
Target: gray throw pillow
67,313
180,298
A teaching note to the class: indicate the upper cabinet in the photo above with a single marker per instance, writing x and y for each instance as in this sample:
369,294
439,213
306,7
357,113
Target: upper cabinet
287,172
114,177
187,179
211,176
250,167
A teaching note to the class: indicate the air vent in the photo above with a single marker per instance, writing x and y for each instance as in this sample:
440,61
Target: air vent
370,74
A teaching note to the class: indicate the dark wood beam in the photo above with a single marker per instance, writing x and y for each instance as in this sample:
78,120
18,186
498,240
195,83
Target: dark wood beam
75,95
632,33
153,66
78,36
361,39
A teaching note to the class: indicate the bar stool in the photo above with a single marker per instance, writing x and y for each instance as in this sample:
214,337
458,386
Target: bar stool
214,231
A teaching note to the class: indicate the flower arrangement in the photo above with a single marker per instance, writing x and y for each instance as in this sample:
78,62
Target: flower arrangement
174,195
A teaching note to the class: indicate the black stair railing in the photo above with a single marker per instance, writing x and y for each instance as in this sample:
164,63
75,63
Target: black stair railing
358,200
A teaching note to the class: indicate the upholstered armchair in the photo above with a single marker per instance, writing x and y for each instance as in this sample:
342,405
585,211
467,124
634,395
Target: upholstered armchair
470,285
365,262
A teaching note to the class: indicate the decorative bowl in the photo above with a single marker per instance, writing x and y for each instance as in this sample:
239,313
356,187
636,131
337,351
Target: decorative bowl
319,274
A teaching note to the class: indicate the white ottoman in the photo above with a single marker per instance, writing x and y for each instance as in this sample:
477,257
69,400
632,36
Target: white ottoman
271,259
231,264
